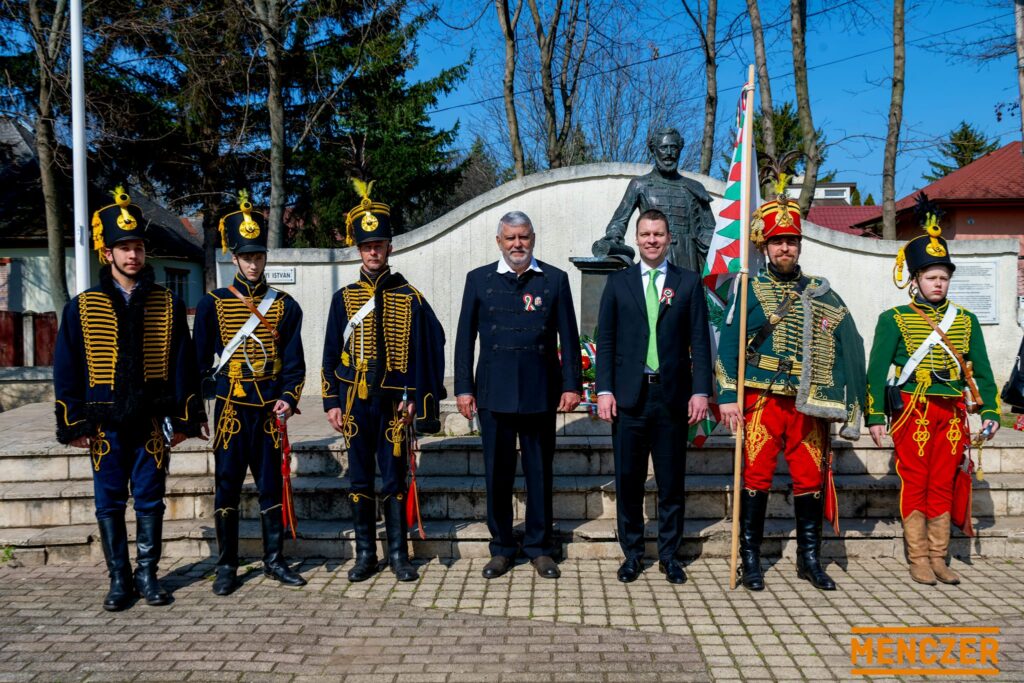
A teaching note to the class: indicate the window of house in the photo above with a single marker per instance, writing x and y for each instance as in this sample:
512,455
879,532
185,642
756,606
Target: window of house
835,193
177,282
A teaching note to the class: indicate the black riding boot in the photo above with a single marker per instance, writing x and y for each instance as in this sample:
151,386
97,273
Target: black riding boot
226,523
148,544
397,529
753,506
364,521
114,539
274,563
809,508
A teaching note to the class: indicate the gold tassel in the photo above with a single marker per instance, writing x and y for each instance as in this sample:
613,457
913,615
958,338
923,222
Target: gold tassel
235,375
396,433
223,238
364,391
97,237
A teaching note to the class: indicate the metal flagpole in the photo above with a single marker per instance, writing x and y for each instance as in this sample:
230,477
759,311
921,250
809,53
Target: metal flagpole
80,177
746,171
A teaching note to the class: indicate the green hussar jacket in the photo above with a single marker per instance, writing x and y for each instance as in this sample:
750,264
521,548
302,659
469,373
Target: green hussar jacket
818,336
899,333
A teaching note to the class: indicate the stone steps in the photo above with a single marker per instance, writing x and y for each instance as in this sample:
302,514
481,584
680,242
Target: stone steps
463,456
46,504
460,498
586,539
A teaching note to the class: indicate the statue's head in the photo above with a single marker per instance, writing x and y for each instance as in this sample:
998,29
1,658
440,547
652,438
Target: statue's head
666,144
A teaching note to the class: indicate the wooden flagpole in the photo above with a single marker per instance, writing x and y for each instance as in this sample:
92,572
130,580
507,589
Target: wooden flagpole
745,210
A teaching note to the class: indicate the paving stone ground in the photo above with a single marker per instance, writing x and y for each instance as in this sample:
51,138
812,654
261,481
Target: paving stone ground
453,625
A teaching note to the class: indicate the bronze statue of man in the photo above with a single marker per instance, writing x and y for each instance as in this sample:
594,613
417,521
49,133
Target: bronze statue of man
686,203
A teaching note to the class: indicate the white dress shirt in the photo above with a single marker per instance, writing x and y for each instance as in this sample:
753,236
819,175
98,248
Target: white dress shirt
504,267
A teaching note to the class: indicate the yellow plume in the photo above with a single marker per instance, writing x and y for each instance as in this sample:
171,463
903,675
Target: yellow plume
780,185
363,189
243,201
121,197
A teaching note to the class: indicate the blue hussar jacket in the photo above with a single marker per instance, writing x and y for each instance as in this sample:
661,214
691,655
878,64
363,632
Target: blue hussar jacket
117,362
263,370
398,348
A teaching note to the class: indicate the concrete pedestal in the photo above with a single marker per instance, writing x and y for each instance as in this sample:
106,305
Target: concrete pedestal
594,272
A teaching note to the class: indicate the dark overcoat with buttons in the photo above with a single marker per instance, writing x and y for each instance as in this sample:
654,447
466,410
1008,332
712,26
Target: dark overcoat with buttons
520,322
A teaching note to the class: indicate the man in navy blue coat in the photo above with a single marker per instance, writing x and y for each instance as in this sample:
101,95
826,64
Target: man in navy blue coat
257,379
653,381
124,376
522,310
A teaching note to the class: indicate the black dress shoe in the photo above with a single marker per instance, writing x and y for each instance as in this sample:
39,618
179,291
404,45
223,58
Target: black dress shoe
673,571
498,565
546,567
630,569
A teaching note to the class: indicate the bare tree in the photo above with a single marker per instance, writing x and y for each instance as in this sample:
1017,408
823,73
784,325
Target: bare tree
569,31
765,86
48,40
707,42
634,97
273,24
508,23
798,29
892,138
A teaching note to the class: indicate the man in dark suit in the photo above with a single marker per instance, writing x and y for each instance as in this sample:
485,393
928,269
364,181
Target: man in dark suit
653,362
522,310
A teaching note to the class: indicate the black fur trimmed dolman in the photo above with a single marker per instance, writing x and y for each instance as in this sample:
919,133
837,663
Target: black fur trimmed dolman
83,407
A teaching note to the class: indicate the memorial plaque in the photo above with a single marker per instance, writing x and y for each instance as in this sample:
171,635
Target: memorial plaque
280,275
975,286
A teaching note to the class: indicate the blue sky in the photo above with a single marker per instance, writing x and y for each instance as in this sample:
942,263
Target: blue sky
849,59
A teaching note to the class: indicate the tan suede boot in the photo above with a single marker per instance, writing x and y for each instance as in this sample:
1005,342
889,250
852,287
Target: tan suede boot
938,543
915,538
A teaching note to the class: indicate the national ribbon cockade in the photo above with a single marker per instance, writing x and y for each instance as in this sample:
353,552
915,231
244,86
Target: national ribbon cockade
287,501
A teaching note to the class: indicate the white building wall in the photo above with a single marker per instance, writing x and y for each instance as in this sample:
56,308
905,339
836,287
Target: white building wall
570,208
30,277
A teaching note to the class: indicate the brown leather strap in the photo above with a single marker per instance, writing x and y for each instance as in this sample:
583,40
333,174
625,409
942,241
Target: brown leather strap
965,369
252,309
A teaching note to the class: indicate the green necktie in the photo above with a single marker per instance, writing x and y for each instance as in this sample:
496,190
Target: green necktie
652,320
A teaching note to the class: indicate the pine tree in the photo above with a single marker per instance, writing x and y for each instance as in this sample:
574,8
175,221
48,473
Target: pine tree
380,131
964,145
870,201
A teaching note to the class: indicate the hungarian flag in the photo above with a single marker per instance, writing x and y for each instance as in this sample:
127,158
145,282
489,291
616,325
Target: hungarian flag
721,272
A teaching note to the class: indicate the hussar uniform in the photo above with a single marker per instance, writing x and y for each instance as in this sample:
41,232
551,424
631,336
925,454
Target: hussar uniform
804,370
249,345
926,399
383,346
124,374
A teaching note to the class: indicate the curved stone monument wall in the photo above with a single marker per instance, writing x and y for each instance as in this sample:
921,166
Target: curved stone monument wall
570,208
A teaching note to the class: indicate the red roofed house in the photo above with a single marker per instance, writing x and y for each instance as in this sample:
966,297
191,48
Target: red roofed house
982,200
843,218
